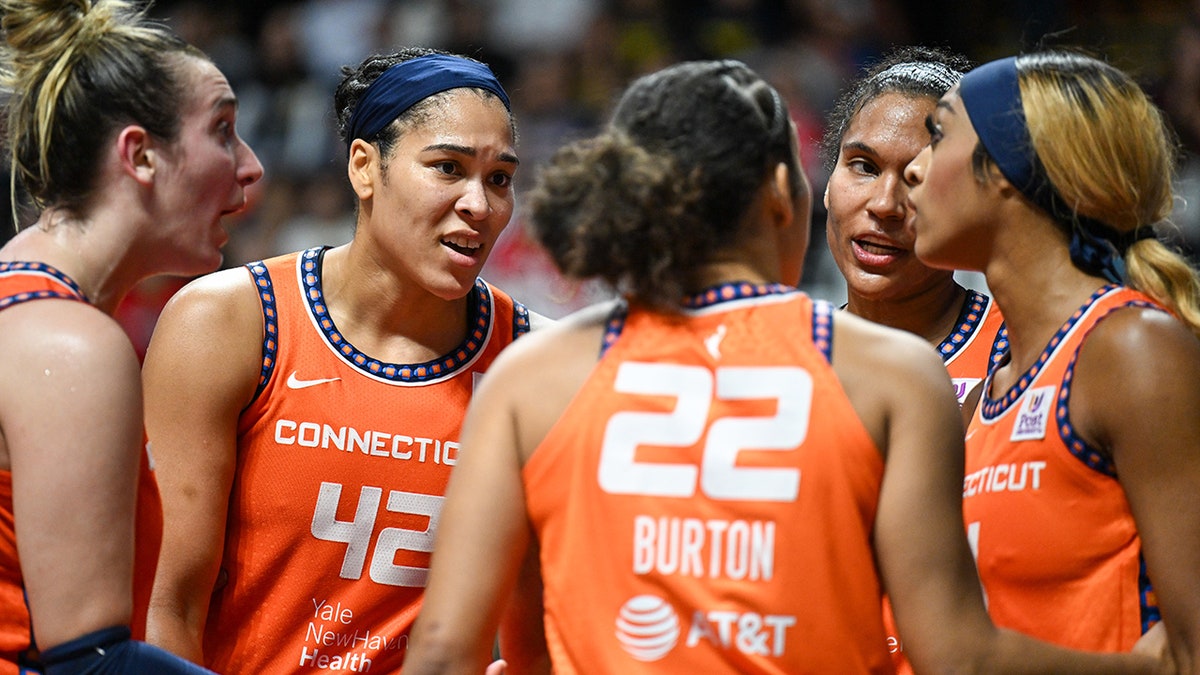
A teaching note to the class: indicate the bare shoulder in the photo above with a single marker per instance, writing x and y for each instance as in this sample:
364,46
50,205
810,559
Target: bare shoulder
866,350
1156,382
539,321
223,307
62,360
66,331
64,348
230,293
536,377
1147,339
210,331
886,372
558,341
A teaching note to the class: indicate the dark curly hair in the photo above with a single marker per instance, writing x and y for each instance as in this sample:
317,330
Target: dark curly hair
911,70
649,201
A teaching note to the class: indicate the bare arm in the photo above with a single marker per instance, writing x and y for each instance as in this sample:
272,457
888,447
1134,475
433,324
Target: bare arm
70,411
522,628
1146,413
480,556
482,538
920,541
201,369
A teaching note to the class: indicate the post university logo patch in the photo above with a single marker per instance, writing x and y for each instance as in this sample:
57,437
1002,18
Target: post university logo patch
1034,414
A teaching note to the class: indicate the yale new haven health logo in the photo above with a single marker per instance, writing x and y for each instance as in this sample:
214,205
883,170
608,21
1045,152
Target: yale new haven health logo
647,627
1034,415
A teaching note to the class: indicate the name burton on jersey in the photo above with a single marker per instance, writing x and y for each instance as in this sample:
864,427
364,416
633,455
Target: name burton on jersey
368,442
733,549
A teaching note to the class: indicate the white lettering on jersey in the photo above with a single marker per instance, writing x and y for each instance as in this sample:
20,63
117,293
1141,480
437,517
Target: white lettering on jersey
1004,478
729,549
368,442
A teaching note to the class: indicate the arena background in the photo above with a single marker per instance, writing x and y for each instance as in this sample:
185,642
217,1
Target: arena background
562,62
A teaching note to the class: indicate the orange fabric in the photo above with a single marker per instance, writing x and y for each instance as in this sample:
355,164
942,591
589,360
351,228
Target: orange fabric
14,615
25,282
755,555
967,352
1058,552
340,477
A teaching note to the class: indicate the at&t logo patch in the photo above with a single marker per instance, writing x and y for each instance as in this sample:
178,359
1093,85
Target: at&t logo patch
647,627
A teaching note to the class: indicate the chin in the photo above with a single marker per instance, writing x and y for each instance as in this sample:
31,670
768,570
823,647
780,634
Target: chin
209,262
452,291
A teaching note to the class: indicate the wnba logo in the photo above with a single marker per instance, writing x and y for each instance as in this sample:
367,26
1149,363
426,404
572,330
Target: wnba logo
647,627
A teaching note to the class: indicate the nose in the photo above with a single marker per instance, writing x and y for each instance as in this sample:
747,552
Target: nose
914,173
250,170
473,203
888,202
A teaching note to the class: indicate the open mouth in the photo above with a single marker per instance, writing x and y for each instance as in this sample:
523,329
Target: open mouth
877,248
463,247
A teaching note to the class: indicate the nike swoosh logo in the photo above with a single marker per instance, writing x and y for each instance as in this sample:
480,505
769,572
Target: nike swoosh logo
294,382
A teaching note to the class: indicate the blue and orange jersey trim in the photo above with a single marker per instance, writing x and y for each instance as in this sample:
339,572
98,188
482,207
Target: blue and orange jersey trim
480,318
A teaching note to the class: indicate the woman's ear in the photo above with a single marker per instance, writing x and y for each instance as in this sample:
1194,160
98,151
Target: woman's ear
996,178
363,168
780,199
137,155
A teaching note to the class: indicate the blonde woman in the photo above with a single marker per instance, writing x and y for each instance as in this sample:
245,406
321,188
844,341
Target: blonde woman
124,137
1048,173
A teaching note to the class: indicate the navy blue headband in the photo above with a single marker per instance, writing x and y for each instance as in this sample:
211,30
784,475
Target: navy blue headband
407,83
991,95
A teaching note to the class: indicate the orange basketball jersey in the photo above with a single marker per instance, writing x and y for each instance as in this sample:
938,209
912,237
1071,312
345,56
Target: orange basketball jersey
342,466
23,282
1057,549
705,503
977,343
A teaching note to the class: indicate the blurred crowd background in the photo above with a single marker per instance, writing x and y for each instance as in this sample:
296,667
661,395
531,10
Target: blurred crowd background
563,62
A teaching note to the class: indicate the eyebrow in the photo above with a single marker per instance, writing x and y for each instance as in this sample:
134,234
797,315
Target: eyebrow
859,146
225,102
471,152
945,105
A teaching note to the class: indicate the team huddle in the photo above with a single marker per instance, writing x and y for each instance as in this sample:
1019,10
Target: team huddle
367,458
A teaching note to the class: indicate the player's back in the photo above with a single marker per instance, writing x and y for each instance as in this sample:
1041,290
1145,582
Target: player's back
706,502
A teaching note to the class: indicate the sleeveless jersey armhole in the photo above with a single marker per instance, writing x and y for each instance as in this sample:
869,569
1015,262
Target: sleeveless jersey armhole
822,328
520,322
613,326
1080,448
270,345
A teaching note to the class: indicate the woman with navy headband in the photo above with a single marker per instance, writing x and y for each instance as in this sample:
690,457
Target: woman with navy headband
1049,172
305,410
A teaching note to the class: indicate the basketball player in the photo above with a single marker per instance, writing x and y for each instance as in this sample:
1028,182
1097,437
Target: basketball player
307,408
123,136
1083,453
876,128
